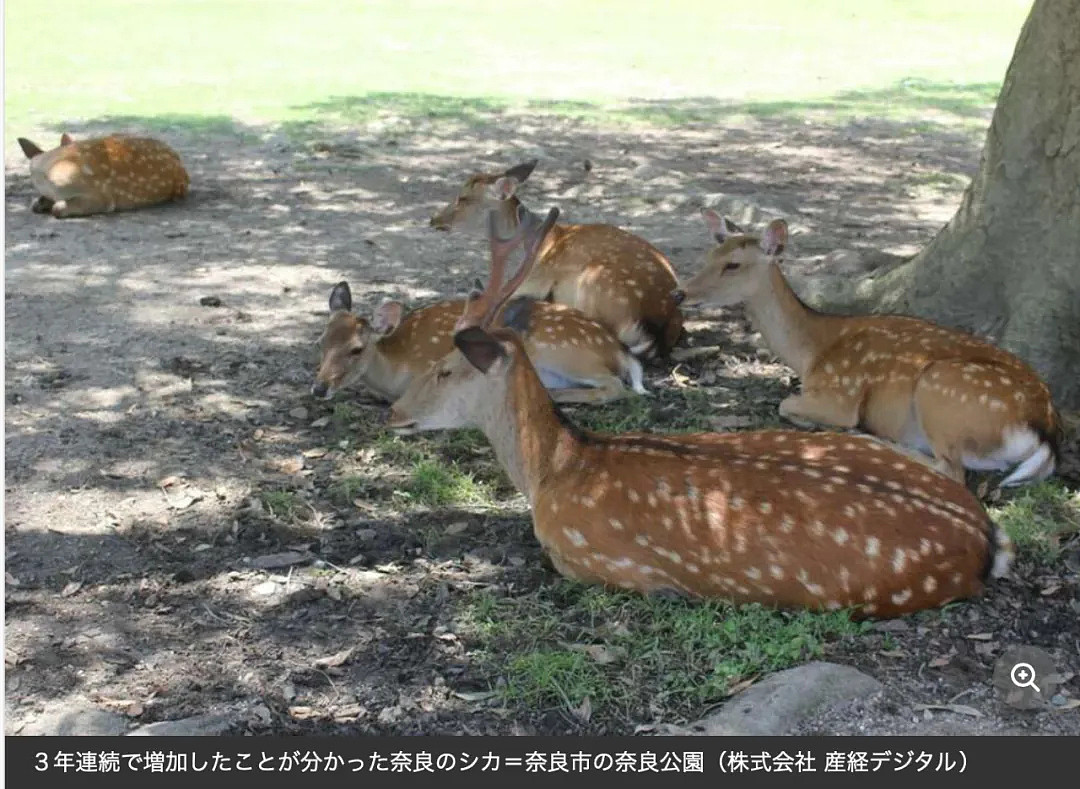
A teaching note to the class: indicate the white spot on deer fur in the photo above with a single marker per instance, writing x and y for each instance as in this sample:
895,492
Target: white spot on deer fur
765,507
840,536
736,503
899,560
633,495
901,597
787,524
576,537
753,573
693,568
616,524
776,571
929,584
667,522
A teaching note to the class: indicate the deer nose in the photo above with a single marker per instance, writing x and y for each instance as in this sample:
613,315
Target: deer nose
320,389
679,296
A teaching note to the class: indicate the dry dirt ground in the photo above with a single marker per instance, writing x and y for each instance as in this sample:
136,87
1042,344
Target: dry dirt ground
161,442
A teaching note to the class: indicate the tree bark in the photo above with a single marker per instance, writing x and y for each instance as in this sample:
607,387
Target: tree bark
1007,265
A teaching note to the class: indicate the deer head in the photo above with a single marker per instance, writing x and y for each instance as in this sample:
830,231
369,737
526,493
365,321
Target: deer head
455,391
737,267
481,193
348,342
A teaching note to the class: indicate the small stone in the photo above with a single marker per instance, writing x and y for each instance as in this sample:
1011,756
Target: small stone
210,301
265,589
299,413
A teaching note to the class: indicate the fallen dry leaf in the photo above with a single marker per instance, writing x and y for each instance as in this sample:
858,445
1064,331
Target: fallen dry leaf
10,579
1070,704
475,695
293,465
938,662
457,528
71,589
740,686
302,713
322,421
893,653
583,712
335,660
981,636
169,481
962,709
315,452
134,710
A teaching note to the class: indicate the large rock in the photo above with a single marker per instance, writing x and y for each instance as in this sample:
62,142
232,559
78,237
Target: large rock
777,704
74,719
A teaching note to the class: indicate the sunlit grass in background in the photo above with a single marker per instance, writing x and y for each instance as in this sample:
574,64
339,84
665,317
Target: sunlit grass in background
287,61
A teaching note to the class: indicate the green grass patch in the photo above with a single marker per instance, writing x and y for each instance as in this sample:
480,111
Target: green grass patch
626,652
667,411
238,65
1039,519
438,484
280,503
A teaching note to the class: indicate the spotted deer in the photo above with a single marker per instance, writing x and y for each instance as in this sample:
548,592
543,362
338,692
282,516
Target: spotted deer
959,401
785,518
102,175
610,274
579,360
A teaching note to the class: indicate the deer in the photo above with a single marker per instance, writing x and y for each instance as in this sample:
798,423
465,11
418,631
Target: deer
610,274
958,401
102,175
783,518
578,359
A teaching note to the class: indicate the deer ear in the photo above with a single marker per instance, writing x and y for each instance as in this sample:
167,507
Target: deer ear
720,226
775,237
480,348
518,314
29,148
520,172
387,316
341,297
504,188
66,139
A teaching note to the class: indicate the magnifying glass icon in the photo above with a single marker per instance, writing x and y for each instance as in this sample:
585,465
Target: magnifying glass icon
1023,676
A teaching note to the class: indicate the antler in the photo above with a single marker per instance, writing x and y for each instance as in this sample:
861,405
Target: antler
481,308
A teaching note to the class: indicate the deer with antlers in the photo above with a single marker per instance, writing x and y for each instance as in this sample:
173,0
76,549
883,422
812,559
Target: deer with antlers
783,518
577,359
104,174
610,274
961,402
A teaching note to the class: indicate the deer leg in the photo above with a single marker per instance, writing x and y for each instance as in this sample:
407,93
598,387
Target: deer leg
75,206
814,410
607,390
42,205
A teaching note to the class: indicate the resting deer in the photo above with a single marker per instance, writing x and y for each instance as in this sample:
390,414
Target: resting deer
98,176
579,360
610,274
949,395
782,518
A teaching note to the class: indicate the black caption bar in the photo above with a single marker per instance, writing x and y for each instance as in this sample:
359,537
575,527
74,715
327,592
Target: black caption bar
339,761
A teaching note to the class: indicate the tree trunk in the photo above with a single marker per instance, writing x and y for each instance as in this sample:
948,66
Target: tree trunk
1007,265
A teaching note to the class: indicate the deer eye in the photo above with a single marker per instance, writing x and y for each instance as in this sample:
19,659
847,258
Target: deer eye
732,266
356,351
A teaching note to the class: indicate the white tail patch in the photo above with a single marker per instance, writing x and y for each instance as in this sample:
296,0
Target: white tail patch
637,339
634,373
1020,448
1004,554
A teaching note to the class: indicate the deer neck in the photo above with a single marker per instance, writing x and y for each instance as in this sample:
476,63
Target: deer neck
526,433
387,373
792,330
